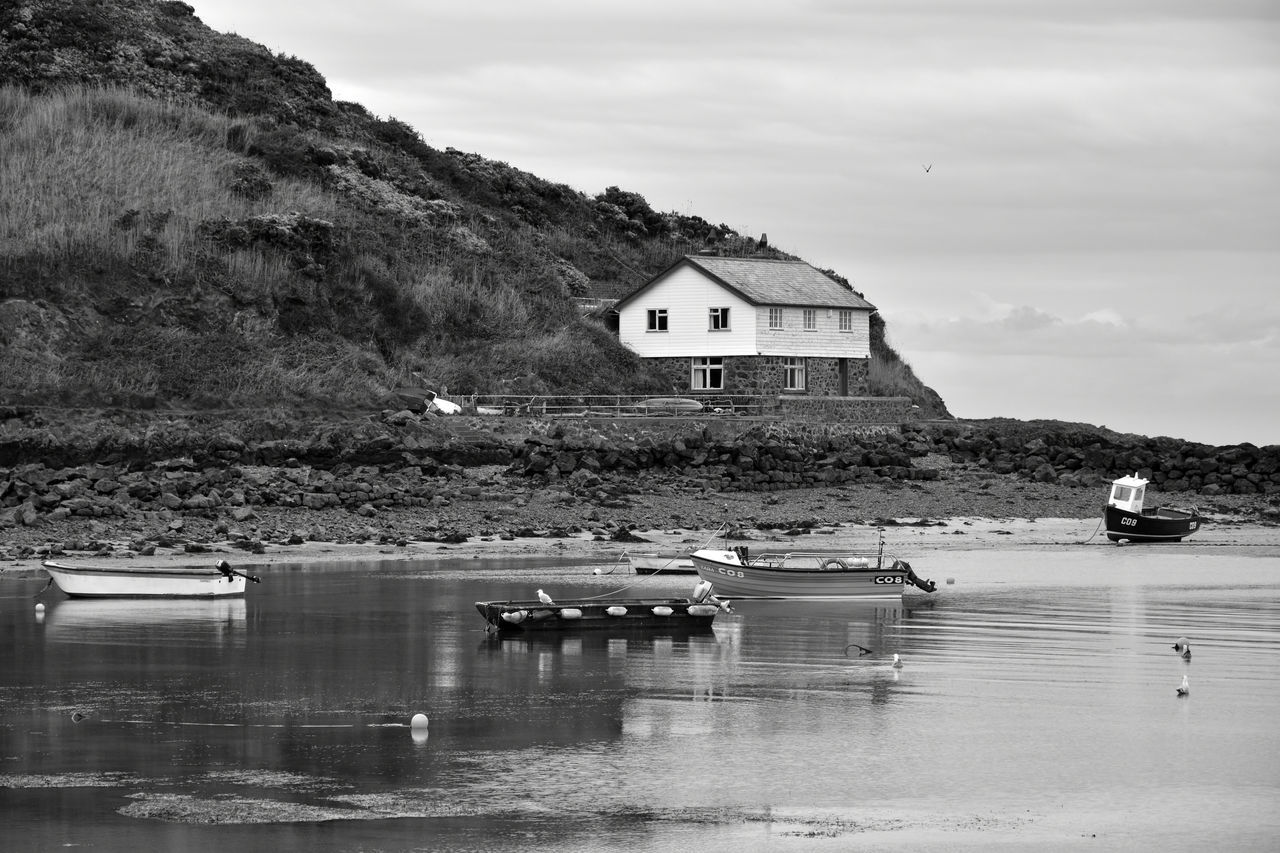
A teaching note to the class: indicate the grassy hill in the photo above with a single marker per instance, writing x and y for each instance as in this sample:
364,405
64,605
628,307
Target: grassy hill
191,220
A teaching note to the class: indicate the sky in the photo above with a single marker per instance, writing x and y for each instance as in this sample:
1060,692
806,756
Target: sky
1064,209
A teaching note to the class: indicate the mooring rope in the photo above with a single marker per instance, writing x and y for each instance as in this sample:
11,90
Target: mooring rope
643,578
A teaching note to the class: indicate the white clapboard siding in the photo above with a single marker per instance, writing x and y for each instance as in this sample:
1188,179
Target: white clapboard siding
688,296
826,340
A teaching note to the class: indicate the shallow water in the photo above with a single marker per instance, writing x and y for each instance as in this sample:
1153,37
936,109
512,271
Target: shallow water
1036,706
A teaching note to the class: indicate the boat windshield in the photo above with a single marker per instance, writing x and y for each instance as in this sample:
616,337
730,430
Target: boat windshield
1121,493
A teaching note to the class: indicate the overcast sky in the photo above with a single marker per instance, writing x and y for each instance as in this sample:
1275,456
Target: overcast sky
1096,238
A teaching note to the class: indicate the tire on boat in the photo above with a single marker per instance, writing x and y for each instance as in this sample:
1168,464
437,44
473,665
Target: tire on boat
834,563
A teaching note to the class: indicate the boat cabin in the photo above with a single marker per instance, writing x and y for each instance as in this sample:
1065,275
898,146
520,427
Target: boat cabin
1127,493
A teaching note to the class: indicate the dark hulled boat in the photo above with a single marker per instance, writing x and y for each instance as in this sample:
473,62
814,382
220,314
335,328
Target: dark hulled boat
1128,520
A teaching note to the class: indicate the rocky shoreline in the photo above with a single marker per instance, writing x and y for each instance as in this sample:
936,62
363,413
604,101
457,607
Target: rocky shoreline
122,485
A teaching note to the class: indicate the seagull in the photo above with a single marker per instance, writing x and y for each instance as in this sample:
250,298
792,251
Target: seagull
544,598
1183,647
927,168
897,661
1185,687
78,716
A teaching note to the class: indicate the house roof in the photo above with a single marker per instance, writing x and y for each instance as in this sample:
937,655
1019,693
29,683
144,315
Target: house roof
766,282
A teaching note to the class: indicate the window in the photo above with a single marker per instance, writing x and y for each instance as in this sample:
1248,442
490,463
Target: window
708,374
775,318
793,378
657,320
810,319
846,319
718,319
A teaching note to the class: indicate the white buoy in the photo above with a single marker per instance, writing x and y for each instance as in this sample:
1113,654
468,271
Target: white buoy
39,607
570,613
419,721
616,610
662,610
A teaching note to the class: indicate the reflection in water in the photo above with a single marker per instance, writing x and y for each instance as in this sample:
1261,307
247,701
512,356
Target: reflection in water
133,620
1022,706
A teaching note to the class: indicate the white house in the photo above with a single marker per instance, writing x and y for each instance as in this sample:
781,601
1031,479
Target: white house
750,326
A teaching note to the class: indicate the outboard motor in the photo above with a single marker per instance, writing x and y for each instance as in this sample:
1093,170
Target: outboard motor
914,579
701,591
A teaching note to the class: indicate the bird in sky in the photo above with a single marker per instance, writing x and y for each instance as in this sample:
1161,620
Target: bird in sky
927,168
1185,687
544,598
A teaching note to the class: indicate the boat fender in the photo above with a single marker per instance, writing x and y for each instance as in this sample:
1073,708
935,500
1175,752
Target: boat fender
701,591
834,563
515,617
570,613
862,563
616,610
662,610
703,609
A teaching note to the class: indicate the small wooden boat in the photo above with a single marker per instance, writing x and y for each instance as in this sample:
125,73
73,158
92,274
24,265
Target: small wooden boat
1128,520
652,615
669,405
134,581
661,564
739,574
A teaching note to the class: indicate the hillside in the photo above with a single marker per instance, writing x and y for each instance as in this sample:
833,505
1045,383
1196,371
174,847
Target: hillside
190,220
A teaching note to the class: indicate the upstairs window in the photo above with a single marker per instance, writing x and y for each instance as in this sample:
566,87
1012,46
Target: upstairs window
657,320
718,319
846,320
775,318
707,374
810,319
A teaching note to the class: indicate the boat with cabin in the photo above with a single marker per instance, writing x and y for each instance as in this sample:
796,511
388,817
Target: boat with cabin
1129,520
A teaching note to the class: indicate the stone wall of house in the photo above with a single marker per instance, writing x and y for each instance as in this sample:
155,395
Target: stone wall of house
762,375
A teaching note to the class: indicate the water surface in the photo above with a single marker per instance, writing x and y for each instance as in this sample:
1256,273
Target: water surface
1036,706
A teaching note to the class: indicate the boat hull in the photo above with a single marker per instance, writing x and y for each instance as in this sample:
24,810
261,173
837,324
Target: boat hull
144,581
807,579
666,564
673,615
1158,525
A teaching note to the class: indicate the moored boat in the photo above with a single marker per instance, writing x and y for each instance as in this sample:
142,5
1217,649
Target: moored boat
653,615
1127,519
827,575
127,580
665,564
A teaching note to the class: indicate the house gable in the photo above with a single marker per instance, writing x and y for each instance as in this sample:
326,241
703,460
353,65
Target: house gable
838,319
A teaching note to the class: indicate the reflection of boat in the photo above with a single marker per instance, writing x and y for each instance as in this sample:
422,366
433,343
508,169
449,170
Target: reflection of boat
130,621
133,581
793,574
1127,519
667,564
653,615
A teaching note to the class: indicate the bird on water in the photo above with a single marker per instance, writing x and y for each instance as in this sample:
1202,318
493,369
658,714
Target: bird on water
1183,647
1185,687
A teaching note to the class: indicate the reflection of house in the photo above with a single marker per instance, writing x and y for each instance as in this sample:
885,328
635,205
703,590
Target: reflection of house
750,326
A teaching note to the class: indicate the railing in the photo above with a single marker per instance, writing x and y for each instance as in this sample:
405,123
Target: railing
619,406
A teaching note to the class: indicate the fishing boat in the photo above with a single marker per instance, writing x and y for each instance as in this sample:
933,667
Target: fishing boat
1128,520
825,575
651,615
664,564
218,580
